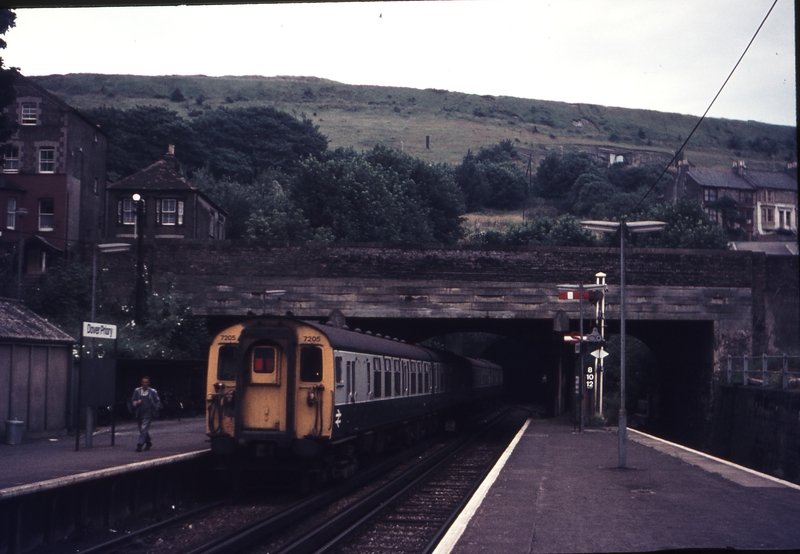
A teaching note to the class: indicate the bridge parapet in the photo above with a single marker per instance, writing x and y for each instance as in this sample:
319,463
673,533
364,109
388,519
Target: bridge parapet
229,278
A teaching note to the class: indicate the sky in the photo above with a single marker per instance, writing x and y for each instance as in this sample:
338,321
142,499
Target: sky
663,55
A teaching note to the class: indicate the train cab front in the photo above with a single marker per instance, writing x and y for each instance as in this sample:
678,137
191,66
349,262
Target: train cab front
266,397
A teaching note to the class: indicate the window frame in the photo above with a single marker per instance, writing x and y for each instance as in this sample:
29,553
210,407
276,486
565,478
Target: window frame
44,162
46,216
177,212
11,214
126,215
226,362
28,113
10,161
318,375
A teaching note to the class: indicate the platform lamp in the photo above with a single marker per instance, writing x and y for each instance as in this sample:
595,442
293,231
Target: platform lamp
622,227
138,313
21,212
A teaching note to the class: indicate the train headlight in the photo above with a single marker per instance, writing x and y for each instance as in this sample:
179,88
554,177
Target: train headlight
219,386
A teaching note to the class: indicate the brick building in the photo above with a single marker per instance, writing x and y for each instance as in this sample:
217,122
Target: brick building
173,207
53,183
762,205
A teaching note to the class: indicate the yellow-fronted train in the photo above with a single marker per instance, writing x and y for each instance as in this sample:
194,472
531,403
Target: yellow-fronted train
283,392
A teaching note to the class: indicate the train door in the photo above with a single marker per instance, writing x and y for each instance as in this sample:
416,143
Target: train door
313,399
350,382
263,397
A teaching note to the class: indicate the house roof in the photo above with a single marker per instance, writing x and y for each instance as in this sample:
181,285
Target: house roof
719,179
163,175
772,180
25,81
18,323
749,180
8,184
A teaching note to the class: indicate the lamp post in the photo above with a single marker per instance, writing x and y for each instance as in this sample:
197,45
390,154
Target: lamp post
21,212
138,313
622,227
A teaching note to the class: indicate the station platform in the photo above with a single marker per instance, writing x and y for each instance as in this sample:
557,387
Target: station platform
44,462
556,490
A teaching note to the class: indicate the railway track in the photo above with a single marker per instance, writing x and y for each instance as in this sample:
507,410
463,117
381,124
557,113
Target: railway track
415,517
405,501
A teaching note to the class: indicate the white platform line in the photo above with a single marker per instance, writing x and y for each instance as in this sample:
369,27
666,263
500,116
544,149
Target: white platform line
718,460
457,528
96,474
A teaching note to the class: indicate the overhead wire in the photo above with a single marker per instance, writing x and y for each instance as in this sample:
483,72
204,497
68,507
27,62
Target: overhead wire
697,125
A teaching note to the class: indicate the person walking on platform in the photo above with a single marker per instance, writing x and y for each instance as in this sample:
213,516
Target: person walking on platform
146,403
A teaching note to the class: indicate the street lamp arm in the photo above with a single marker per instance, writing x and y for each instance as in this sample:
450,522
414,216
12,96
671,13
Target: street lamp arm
645,226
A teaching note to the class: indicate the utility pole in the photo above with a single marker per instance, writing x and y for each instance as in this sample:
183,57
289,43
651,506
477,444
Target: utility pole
139,309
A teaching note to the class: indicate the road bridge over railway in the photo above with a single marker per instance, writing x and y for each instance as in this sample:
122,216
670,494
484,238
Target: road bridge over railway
690,307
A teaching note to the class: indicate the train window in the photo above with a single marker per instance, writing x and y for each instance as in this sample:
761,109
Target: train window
413,374
263,359
387,382
311,364
369,381
377,384
398,384
338,370
226,363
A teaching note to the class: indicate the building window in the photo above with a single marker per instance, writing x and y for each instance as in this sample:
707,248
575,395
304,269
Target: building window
785,219
11,159
709,195
212,224
46,207
767,215
126,212
29,115
170,211
11,218
47,160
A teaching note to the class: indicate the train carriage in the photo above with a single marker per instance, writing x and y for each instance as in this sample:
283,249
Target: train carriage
283,387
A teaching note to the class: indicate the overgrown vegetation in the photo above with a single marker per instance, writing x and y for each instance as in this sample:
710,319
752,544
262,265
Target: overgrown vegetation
277,180
171,331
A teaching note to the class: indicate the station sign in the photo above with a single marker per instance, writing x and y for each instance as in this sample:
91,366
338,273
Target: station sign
99,330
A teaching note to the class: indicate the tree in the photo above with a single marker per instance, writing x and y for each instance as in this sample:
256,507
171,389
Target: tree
64,296
7,77
470,180
277,218
687,227
491,179
355,201
139,137
542,231
241,143
432,188
556,174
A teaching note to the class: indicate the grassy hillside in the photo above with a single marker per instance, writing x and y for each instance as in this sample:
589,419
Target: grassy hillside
362,116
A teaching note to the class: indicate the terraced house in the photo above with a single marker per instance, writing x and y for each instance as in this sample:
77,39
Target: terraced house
760,205
53,183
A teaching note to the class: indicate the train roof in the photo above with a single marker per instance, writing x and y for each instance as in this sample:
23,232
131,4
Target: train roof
345,339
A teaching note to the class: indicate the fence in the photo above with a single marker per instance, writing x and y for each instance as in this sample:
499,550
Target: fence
763,371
